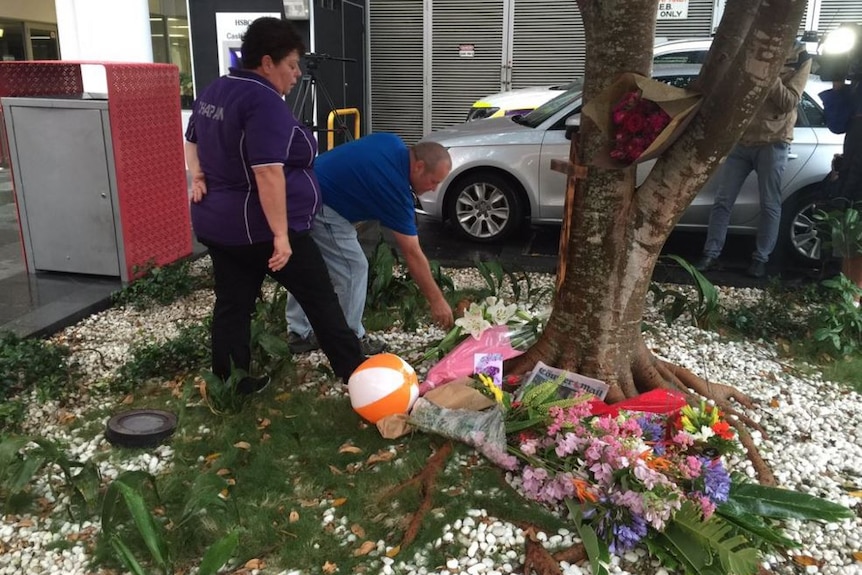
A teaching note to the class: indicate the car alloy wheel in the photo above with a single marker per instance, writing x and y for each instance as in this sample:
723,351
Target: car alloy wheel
801,232
485,207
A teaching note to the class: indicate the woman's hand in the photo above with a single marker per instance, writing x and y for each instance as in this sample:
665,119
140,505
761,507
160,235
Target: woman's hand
280,254
199,187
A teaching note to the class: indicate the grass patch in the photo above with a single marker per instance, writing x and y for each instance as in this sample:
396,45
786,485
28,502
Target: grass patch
297,497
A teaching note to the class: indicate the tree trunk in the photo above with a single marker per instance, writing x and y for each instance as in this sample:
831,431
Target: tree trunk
614,232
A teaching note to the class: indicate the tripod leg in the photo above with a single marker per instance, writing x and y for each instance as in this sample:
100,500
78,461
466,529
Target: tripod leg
339,119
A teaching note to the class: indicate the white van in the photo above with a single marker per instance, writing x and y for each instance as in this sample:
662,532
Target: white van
514,102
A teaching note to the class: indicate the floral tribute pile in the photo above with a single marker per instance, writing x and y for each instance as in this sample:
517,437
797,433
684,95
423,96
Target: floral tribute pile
636,122
650,472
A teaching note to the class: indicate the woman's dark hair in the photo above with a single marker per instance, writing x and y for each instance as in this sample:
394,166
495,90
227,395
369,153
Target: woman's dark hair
271,37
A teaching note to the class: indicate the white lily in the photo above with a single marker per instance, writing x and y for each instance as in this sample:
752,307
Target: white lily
500,314
473,321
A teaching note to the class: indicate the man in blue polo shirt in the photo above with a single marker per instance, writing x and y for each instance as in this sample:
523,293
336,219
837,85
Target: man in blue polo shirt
371,179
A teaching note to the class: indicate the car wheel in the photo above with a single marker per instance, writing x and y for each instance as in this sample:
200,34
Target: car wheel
800,235
484,207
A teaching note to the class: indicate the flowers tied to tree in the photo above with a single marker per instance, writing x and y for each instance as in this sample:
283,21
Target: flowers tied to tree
636,123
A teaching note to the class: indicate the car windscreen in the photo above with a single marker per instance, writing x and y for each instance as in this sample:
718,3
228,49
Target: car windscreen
551,107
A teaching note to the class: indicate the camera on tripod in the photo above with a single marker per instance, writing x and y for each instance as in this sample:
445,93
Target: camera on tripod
840,54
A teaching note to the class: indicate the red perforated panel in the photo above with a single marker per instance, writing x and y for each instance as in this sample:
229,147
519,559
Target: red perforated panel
146,132
146,128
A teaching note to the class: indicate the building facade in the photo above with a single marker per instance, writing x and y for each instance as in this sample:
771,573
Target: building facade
407,66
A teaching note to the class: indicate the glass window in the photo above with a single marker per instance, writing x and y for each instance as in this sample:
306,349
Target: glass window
169,26
12,41
44,44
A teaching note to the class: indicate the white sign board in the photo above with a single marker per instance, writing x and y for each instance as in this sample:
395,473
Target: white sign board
672,9
230,26
466,50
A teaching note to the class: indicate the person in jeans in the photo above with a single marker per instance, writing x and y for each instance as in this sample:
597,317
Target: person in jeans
370,179
764,148
254,196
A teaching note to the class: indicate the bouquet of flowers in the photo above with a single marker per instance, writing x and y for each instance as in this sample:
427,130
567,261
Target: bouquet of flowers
490,327
661,480
641,117
637,122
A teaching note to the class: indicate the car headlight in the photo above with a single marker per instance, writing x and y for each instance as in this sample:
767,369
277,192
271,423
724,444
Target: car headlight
480,112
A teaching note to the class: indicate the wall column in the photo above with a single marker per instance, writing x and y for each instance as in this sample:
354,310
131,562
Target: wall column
103,30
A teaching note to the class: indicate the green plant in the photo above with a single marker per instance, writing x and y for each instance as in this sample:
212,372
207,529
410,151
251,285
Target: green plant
30,362
388,291
672,302
24,458
841,229
839,322
128,524
269,350
780,312
159,285
187,352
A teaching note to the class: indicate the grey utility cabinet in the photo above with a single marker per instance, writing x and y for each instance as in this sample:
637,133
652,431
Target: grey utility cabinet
65,183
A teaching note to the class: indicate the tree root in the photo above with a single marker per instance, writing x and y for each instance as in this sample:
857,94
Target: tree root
538,560
425,479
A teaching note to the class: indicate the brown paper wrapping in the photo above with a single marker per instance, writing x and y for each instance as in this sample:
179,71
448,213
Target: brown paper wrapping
679,104
456,394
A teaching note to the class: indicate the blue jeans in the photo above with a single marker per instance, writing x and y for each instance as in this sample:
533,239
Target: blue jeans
768,162
348,269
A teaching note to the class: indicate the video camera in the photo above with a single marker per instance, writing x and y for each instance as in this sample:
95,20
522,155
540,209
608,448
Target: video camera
839,54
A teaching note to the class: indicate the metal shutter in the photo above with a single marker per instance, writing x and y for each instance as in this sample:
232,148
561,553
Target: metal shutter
548,44
457,82
396,67
697,25
836,12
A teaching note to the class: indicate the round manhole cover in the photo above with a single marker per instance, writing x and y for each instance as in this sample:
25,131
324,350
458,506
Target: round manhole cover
140,427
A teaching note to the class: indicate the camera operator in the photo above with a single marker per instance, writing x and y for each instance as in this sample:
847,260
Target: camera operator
843,109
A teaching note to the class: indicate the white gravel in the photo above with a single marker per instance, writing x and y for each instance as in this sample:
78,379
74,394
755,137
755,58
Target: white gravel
814,445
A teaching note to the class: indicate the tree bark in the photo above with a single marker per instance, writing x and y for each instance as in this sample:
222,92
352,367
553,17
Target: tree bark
615,232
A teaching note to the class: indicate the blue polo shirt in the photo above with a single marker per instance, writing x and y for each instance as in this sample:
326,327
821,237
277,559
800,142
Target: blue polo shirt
369,179
238,122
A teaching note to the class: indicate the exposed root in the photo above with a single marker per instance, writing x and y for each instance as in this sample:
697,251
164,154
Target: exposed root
574,554
761,468
426,480
536,558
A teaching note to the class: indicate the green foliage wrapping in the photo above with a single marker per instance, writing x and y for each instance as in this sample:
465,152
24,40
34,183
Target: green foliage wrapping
777,503
697,544
597,550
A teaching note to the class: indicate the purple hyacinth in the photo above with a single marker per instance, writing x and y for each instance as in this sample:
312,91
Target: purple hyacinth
626,537
716,480
651,429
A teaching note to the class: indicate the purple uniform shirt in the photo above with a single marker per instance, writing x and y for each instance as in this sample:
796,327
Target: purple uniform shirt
239,122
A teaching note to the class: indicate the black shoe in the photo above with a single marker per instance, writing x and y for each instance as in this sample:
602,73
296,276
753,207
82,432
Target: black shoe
249,385
757,269
371,346
704,264
297,344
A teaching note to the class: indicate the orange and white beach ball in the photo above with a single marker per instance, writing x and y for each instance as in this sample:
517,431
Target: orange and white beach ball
384,384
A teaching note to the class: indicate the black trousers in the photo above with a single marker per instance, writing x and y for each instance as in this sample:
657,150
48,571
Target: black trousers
239,273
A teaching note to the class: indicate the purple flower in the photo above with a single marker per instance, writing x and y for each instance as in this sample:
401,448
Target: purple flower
716,480
626,537
651,429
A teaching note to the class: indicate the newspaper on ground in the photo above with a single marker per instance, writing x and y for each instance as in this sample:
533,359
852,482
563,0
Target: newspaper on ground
571,383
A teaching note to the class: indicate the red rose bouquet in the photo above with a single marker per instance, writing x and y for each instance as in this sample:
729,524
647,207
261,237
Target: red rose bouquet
640,118
637,122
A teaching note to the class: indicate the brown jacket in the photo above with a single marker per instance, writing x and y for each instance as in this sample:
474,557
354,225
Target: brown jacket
774,121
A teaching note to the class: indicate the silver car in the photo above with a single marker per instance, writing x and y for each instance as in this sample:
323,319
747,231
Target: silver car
501,174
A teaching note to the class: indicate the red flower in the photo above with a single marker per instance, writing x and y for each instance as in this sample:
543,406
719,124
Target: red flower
722,429
637,123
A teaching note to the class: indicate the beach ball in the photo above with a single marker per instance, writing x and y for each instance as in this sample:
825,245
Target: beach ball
384,384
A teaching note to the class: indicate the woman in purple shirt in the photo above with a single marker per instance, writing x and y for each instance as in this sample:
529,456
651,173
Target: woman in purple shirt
254,196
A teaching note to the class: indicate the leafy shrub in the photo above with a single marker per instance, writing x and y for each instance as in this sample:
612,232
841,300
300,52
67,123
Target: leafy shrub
28,362
160,285
187,352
